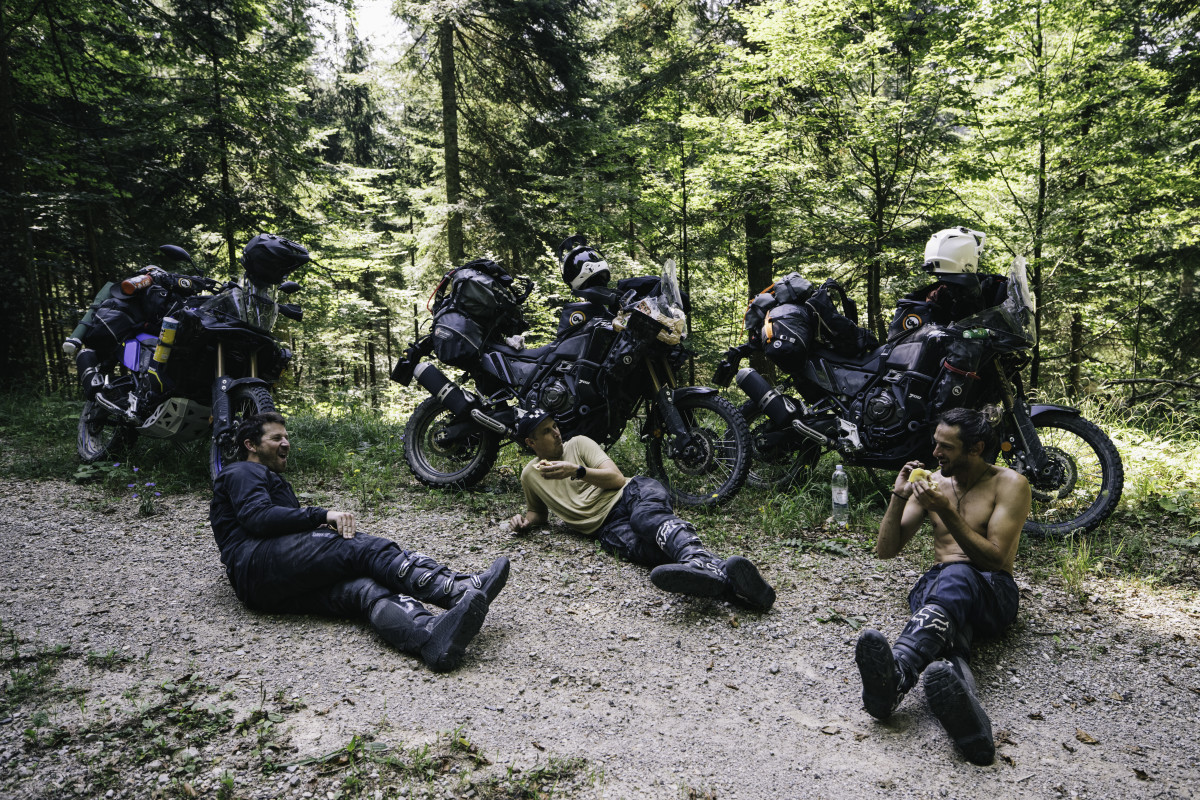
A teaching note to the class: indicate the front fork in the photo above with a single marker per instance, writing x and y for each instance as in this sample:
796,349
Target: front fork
1021,443
223,386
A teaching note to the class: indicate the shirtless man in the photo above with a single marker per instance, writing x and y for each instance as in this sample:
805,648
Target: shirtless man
977,510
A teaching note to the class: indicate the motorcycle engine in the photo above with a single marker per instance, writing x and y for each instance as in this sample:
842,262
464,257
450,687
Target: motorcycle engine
881,409
556,397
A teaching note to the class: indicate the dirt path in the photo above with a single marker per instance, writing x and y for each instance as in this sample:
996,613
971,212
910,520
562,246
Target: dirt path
585,682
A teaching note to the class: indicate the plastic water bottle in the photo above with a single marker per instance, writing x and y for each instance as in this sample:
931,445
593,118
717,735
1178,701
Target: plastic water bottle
841,497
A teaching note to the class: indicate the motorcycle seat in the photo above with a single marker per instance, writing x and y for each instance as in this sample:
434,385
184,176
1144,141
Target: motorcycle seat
528,354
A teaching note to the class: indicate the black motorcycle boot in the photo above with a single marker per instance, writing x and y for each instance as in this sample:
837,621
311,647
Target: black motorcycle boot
747,586
877,667
928,635
950,690
696,572
888,673
90,377
441,642
425,579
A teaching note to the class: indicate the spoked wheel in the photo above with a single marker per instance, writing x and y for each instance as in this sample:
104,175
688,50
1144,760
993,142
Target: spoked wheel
713,467
244,401
777,462
1084,481
442,453
101,435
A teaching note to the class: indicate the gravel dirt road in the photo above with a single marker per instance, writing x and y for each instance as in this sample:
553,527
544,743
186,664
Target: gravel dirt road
132,671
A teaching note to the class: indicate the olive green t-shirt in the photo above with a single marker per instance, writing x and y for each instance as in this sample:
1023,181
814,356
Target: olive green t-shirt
579,504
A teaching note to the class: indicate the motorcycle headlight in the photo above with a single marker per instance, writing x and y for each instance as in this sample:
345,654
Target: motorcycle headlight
259,306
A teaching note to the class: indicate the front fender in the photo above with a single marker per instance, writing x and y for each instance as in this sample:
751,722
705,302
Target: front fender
692,391
1042,408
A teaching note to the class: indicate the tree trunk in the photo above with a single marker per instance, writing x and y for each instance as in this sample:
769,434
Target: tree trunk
454,221
1075,388
1039,211
222,151
371,375
18,316
760,269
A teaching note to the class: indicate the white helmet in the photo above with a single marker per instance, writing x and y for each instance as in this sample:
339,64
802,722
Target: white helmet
954,250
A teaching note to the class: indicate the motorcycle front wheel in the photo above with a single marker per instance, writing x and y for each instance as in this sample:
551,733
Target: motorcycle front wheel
244,401
781,466
714,467
439,461
101,435
1086,478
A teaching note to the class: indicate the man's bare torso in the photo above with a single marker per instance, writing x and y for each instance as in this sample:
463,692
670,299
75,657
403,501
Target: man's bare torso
975,503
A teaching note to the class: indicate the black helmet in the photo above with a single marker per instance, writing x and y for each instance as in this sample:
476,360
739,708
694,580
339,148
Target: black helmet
582,267
269,258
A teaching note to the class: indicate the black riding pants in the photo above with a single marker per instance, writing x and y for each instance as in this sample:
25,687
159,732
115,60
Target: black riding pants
317,572
629,529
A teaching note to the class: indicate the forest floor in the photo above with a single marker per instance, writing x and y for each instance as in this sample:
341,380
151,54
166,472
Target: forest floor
131,670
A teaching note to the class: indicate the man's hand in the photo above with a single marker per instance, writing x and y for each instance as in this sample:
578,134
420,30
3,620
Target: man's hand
929,495
556,470
343,522
519,524
902,486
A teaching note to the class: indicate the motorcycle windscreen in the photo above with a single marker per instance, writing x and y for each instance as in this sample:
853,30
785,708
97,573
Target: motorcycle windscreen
1012,322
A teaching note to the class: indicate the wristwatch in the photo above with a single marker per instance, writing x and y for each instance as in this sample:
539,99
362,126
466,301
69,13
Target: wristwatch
580,471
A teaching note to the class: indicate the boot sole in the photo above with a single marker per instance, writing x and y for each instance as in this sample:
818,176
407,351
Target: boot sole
877,667
960,713
748,584
450,633
498,580
677,579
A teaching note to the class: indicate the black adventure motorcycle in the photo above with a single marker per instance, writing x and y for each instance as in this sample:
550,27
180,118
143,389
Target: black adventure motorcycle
210,363
596,376
878,409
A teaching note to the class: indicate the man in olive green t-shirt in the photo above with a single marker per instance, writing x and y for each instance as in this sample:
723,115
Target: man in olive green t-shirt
632,517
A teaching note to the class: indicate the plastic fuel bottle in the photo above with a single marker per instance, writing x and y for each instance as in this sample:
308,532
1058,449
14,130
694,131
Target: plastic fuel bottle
841,497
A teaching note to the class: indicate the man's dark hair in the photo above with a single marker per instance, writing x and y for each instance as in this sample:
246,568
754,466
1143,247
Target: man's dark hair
973,427
252,429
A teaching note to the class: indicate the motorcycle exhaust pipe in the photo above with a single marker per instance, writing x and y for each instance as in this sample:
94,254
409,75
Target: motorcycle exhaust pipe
448,393
779,408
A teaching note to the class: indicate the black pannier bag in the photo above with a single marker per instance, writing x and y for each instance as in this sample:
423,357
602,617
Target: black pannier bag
123,316
838,331
472,304
958,374
786,335
457,339
792,288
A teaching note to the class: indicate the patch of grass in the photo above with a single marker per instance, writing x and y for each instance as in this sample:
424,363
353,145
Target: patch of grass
1075,563
38,435
110,659
540,782
28,677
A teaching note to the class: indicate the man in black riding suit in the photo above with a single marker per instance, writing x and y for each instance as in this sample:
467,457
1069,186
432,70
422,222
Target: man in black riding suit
284,558
632,517
977,510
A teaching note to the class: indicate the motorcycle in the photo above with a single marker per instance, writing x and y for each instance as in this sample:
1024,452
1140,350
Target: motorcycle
214,363
879,409
595,377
